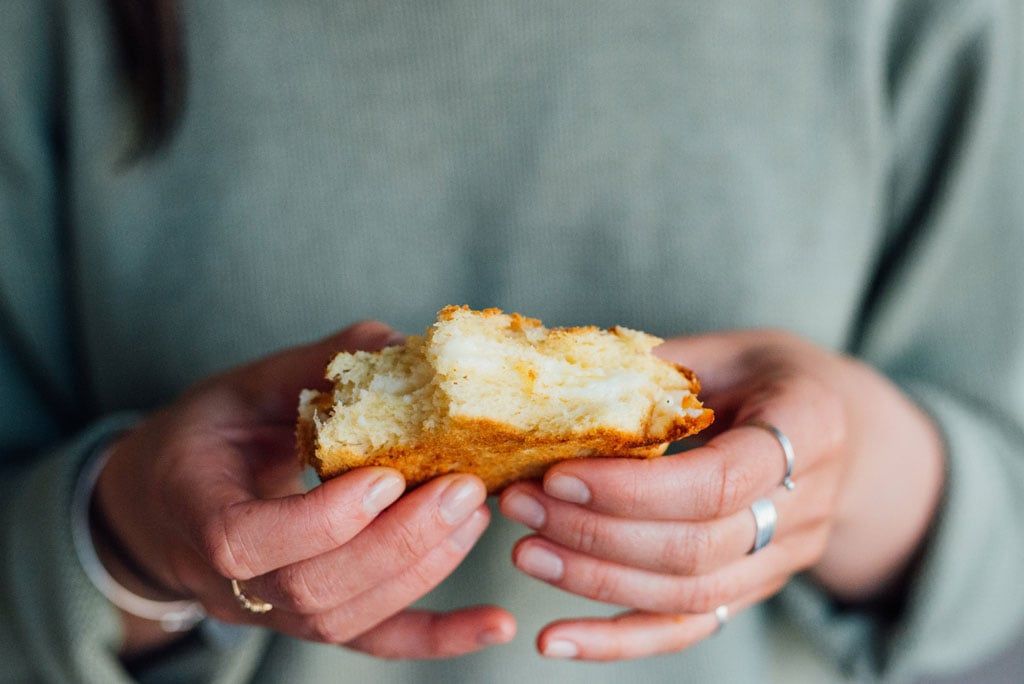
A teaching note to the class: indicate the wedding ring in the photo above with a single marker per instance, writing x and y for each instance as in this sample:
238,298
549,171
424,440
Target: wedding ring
787,450
765,518
253,604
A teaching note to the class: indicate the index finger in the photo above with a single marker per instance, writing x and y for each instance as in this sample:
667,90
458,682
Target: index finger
724,476
242,536
274,382
424,634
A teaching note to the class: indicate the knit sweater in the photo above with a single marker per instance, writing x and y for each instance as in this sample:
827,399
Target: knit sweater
849,171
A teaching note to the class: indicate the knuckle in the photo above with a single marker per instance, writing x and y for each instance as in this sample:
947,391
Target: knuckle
704,545
326,519
294,589
404,540
424,575
604,584
220,548
584,532
703,594
325,629
727,488
633,489
688,549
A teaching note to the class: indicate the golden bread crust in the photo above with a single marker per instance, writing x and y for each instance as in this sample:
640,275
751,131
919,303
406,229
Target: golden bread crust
495,452
499,453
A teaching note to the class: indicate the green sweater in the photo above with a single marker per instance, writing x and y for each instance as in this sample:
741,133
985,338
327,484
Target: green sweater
850,171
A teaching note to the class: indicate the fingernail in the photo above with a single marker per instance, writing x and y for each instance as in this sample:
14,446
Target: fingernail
466,535
541,563
525,509
382,493
567,488
560,648
492,637
459,500
394,340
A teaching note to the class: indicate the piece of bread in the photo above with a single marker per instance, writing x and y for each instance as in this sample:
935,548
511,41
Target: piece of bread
499,396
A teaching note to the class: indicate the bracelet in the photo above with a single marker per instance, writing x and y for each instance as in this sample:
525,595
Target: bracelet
173,616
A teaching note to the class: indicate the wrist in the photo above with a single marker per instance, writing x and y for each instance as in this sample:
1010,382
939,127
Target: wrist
140,635
891,493
109,575
118,560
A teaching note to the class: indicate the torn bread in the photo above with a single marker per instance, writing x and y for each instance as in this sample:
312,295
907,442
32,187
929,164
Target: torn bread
499,396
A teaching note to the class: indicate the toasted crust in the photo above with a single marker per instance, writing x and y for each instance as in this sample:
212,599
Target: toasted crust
494,452
498,453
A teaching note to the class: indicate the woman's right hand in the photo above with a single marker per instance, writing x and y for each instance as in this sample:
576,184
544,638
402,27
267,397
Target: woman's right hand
208,490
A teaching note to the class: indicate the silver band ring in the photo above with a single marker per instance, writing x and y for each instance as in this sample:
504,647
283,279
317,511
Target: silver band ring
787,450
253,604
722,616
765,518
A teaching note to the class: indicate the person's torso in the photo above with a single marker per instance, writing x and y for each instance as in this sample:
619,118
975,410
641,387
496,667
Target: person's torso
669,166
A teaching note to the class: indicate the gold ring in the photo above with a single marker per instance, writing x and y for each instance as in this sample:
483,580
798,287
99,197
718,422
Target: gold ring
253,604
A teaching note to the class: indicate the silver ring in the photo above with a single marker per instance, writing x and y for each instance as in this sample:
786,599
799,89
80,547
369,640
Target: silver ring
765,518
722,616
787,449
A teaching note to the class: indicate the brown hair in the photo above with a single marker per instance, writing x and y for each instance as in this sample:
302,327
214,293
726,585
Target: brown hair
151,49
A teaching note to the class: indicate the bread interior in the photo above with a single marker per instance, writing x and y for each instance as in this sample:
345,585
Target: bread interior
502,369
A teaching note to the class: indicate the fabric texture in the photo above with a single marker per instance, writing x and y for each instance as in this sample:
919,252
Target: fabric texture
847,171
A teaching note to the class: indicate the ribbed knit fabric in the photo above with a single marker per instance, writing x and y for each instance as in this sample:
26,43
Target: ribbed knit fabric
848,171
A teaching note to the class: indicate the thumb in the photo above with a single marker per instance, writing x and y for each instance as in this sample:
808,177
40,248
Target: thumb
723,360
272,384
713,357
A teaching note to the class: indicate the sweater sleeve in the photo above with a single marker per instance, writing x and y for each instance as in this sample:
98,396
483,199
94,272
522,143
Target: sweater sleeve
944,319
54,625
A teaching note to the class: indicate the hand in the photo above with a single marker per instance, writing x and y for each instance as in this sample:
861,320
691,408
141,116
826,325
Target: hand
208,490
670,537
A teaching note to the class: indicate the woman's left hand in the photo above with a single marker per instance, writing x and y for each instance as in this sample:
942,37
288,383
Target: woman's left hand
670,538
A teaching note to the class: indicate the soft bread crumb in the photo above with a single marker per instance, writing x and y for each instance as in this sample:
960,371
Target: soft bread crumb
500,396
